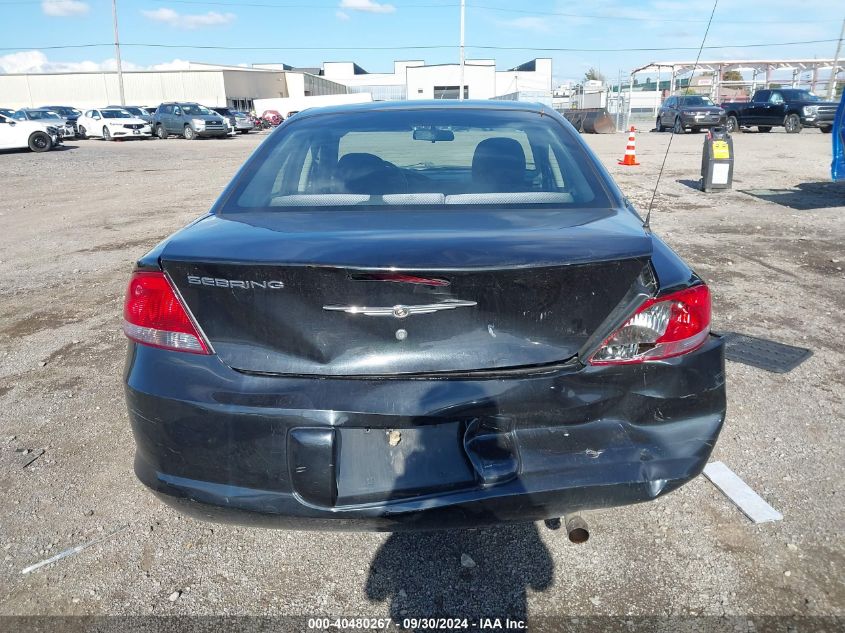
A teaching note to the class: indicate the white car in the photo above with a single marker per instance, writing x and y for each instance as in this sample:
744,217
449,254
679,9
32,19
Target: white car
111,124
47,117
38,137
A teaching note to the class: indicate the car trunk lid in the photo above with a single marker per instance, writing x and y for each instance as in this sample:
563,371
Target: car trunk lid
368,293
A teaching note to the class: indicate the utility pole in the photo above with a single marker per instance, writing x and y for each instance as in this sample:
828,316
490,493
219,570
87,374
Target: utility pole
461,87
117,53
831,89
618,99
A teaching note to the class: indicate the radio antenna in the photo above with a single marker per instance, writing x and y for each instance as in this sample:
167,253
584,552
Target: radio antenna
647,222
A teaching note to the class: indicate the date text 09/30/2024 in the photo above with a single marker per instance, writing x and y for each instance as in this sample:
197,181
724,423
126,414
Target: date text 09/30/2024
417,624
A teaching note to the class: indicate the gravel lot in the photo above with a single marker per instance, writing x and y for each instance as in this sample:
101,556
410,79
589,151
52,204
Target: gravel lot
73,221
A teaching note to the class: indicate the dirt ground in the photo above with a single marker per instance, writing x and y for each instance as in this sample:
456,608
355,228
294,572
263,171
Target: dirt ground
73,221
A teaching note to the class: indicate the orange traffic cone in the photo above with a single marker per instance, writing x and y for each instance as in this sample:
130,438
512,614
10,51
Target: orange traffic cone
630,150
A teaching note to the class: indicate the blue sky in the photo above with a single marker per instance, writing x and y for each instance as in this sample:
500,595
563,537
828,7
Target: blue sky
30,27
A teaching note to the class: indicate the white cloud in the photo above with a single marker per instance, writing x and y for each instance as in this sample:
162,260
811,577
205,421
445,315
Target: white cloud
189,20
368,6
37,62
176,64
340,15
64,8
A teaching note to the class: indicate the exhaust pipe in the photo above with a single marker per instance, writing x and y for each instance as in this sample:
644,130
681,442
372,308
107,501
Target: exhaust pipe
577,529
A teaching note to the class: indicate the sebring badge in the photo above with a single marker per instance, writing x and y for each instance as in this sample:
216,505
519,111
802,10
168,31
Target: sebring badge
402,311
218,282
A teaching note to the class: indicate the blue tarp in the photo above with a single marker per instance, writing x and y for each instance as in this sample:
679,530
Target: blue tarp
837,167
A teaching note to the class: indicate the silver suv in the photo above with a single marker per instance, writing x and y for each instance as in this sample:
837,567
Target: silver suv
190,120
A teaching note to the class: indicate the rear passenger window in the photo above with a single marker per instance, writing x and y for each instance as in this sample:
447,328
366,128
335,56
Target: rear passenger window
421,157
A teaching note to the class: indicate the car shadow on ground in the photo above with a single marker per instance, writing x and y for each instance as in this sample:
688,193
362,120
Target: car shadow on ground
806,196
26,150
471,574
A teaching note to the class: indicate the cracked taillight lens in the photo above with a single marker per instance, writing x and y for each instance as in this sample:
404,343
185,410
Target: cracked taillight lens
154,315
662,327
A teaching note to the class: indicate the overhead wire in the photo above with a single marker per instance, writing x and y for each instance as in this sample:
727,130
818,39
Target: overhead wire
474,5
647,221
427,47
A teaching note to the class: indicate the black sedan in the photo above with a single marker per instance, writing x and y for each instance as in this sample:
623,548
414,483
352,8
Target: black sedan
419,315
691,112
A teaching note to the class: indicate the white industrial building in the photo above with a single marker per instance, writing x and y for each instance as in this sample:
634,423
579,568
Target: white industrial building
240,87
211,85
413,79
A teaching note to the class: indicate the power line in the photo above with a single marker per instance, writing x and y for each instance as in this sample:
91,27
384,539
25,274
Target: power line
53,48
448,5
623,18
279,5
486,7
426,47
647,222
635,50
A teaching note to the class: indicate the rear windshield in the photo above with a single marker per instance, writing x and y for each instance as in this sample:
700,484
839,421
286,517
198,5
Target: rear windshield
420,157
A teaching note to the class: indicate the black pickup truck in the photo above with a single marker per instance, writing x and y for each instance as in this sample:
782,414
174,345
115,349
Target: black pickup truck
791,108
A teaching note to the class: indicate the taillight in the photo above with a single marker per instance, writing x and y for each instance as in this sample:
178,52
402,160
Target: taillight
662,327
153,315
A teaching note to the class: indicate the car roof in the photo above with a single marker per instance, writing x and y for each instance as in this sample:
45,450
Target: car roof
428,104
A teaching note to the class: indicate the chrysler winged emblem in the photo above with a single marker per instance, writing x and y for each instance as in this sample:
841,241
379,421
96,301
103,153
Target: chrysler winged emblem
402,311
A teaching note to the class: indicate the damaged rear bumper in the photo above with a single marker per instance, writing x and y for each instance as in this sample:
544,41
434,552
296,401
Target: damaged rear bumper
398,454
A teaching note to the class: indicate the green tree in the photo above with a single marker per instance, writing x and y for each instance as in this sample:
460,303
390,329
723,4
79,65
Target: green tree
593,74
731,75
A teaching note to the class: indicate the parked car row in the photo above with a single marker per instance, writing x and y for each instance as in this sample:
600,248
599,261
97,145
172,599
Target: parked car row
186,119
792,108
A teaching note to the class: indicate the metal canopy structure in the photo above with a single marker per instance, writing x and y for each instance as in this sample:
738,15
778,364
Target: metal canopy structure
761,70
